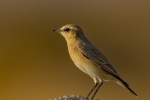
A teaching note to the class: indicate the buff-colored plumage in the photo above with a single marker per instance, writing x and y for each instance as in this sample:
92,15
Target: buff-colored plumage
88,58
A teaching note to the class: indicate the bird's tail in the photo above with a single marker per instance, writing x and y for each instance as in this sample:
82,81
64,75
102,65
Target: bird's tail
124,84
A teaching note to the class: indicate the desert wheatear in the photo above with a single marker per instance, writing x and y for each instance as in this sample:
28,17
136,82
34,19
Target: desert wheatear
89,59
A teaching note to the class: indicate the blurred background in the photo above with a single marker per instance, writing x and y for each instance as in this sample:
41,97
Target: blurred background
34,61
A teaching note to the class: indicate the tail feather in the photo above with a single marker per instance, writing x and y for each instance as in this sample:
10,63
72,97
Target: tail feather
124,84
131,91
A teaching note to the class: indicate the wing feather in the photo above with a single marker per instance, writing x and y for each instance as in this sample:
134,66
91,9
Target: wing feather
94,55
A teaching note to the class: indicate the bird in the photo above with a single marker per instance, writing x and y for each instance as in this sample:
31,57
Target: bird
89,59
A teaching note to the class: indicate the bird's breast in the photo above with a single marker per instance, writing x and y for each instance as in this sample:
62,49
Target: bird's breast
87,66
84,64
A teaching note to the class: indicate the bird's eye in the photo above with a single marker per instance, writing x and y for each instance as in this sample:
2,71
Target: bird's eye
67,29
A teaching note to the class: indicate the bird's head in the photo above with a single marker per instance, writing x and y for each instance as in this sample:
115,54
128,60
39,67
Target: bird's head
70,31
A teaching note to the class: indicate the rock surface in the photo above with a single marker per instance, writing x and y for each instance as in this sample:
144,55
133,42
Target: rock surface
69,97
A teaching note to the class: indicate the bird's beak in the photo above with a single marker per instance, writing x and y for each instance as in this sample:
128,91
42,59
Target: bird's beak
56,30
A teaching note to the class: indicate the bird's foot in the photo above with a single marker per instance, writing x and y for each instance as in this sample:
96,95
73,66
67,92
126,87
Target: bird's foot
87,98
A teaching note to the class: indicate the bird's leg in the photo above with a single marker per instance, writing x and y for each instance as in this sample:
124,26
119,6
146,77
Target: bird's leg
96,90
91,90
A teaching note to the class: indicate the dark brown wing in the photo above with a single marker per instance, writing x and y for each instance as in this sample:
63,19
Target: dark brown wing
95,56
